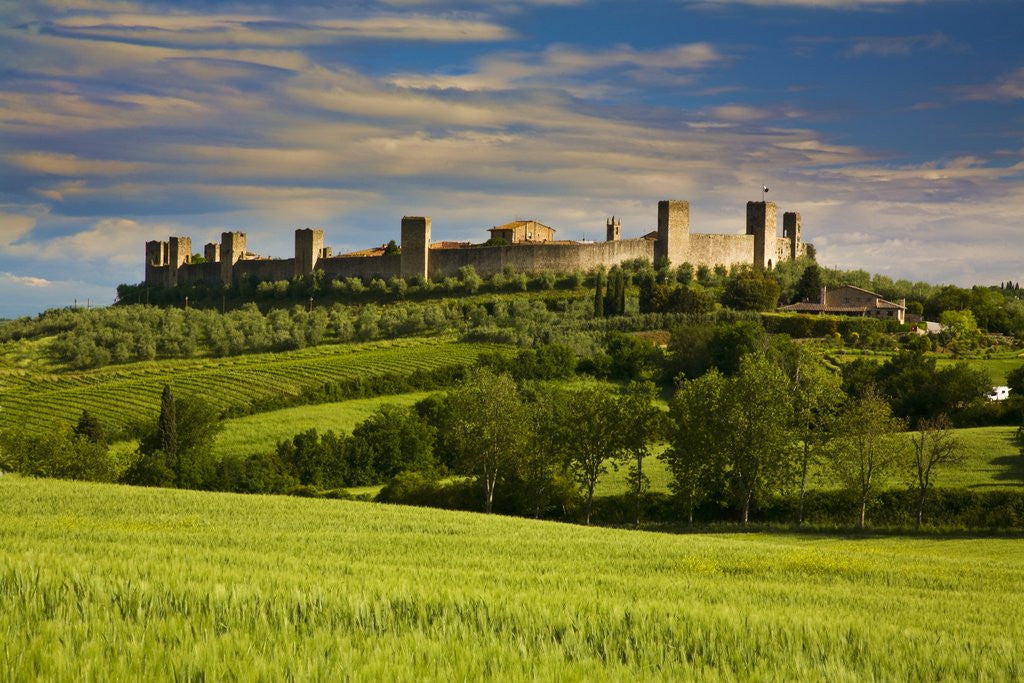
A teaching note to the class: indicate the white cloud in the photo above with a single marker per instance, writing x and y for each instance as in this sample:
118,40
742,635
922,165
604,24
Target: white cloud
23,280
1009,86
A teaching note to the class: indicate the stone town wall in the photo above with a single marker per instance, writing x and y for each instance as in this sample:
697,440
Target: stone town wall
720,250
539,257
365,267
264,269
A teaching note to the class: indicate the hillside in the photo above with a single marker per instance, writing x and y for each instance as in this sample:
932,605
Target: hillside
122,394
113,582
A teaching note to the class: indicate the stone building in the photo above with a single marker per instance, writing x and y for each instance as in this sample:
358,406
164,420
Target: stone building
850,300
523,231
530,247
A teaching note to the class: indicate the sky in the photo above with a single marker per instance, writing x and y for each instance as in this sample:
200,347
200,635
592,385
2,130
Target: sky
895,127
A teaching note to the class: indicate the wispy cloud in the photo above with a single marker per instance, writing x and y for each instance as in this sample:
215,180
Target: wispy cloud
253,30
887,46
1009,86
23,280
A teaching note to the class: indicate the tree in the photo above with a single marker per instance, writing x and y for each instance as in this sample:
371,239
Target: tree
178,450
394,439
689,350
735,430
817,397
809,287
90,428
489,430
642,423
935,445
57,453
167,425
751,290
695,453
867,447
1015,380
598,295
730,342
541,470
757,432
961,326
597,437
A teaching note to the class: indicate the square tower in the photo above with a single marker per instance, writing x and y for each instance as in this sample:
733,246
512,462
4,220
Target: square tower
309,244
156,257
232,250
673,242
761,223
415,257
614,228
179,253
211,252
791,230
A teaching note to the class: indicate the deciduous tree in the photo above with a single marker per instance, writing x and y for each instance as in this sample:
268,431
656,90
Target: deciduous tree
867,448
935,445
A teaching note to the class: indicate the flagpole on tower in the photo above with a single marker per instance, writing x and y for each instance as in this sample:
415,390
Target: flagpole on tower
764,191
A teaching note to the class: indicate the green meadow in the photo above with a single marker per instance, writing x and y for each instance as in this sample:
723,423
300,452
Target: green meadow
115,583
262,432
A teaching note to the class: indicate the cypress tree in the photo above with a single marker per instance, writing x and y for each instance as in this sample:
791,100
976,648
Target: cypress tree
167,426
621,294
598,298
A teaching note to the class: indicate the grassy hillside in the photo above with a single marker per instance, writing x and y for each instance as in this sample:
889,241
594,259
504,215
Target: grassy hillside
261,432
121,394
992,462
997,366
118,583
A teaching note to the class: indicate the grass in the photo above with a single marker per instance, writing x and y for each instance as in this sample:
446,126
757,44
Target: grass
992,462
115,583
998,366
122,394
261,432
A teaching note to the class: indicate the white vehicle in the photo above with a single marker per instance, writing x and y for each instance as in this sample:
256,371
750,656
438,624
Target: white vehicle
998,394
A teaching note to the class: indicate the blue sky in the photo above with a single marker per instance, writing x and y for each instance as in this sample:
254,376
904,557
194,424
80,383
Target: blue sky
895,127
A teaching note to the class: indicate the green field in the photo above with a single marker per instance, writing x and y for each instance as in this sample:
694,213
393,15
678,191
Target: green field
117,583
992,461
261,432
121,394
997,367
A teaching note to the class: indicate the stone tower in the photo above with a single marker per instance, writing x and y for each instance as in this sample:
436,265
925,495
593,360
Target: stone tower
309,245
614,228
791,229
415,258
761,223
156,257
211,251
179,253
673,232
232,249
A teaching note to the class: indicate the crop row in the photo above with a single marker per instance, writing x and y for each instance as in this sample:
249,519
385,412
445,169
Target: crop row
122,397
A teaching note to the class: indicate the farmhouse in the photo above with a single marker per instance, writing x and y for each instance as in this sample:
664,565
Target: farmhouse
524,245
850,300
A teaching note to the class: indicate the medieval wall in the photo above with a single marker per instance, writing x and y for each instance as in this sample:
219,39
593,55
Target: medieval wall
265,269
199,273
365,267
166,262
539,257
720,250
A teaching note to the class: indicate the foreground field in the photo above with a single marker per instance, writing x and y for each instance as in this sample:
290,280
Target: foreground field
105,582
120,394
